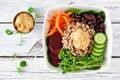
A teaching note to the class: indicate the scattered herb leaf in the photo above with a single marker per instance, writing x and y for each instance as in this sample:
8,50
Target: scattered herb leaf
15,55
21,40
8,32
37,15
31,10
19,70
23,63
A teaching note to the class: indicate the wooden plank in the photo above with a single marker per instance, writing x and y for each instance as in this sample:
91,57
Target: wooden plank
37,69
8,11
9,43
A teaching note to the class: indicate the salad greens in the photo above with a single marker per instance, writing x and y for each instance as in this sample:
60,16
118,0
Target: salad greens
79,11
70,63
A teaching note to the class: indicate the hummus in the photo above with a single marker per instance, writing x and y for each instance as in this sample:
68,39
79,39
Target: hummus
80,39
24,22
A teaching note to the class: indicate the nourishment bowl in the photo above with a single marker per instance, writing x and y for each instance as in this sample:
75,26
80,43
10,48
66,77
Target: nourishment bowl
108,31
23,22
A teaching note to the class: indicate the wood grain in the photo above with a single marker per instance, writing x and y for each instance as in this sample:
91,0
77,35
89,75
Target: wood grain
9,43
8,11
37,69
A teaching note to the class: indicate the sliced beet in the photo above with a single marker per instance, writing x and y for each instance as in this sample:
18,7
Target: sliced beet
54,50
55,41
54,58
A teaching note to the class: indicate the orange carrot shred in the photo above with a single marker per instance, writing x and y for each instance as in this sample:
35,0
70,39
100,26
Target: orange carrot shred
53,30
58,22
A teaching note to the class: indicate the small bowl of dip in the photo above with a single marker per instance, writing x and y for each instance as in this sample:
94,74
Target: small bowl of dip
23,22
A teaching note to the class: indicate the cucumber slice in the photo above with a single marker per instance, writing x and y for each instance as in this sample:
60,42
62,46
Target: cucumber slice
102,46
98,50
93,57
97,54
100,38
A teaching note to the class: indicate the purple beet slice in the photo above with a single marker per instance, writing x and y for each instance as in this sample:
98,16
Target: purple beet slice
55,41
54,50
54,58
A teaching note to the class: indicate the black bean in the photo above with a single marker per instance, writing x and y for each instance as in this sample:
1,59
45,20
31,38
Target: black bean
78,17
91,26
84,21
90,22
92,16
87,17
97,30
99,16
101,19
101,25
100,30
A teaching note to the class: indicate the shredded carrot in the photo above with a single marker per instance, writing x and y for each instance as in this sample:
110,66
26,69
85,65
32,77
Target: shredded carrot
58,22
69,13
53,30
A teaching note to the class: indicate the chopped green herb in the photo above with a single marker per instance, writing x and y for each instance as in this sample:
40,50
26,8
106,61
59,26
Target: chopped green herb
23,63
15,55
8,32
31,10
21,40
19,70
37,15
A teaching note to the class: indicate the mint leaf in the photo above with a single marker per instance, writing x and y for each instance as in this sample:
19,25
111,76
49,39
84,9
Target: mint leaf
8,32
31,10
15,55
23,63
19,70
37,15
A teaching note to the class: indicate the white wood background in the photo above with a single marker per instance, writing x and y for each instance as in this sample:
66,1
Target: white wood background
36,69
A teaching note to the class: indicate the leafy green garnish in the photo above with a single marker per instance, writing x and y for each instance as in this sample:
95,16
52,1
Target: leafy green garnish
21,40
37,15
72,10
18,70
31,10
70,63
15,55
23,63
8,32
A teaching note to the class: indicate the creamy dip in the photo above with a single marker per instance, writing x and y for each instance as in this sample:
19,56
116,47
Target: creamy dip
24,22
80,39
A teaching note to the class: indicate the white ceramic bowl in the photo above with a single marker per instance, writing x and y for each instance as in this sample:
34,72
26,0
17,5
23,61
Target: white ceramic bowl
108,51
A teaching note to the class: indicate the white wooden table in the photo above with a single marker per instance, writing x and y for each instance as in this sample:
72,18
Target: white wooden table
36,69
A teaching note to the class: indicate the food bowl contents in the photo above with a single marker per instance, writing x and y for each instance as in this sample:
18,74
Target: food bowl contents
24,22
77,40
